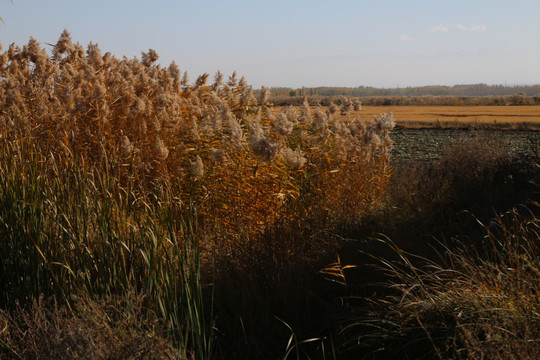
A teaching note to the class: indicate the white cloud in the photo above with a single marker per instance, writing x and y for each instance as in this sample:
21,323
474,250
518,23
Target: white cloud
439,28
478,28
405,37
460,27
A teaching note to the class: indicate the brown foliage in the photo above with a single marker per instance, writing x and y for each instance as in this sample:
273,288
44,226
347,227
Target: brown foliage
219,145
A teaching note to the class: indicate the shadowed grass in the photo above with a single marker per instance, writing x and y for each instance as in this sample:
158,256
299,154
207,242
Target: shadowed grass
479,300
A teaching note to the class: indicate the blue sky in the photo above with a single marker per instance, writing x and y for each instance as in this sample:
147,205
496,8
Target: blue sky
295,43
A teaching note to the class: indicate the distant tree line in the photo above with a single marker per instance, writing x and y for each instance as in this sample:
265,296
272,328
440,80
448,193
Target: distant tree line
394,100
435,90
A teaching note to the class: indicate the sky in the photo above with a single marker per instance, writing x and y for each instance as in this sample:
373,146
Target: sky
296,43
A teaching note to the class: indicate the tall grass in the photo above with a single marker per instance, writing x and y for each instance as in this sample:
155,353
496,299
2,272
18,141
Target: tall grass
120,177
70,228
481,302
219,145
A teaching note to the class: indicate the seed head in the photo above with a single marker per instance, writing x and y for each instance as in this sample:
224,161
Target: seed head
94,55
161,150
263,149
149,58
293,158
233,81
218,80
357,104
237,135
283,126
243,83
383,122
320,119
32,51
139,106
217,155
264,95
174,71
126,147
63,45
375,142
197,167
99,90
185,80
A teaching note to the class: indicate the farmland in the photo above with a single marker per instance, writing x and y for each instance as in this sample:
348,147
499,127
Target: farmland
410,116
458,116
424,132
430,143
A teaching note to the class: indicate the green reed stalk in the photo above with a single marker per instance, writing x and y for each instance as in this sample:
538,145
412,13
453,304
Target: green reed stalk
68,228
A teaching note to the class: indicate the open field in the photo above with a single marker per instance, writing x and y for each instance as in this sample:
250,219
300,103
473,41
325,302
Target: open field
511,117
429,144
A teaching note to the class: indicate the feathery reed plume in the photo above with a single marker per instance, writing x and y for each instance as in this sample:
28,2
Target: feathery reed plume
293,158
263,149
218,81
126,147
149,58
283,125
161,150
197,167
383,122
264,95
233,81
238,148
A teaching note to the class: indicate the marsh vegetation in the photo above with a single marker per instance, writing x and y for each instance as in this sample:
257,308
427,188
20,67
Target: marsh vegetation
146,216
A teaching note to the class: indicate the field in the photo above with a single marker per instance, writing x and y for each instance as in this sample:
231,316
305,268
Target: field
429,144
443,116
147,216
506,117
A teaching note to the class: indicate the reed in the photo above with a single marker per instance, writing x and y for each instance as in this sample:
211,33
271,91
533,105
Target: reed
219,145
70,228
120,177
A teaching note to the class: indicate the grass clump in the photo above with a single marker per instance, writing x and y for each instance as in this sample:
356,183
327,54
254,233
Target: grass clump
473,296
480,302
478,174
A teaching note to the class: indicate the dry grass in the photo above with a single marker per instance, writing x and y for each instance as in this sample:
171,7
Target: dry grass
452,288
480,302
93,330
121,176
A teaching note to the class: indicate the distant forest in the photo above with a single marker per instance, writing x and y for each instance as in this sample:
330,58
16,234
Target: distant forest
456,90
